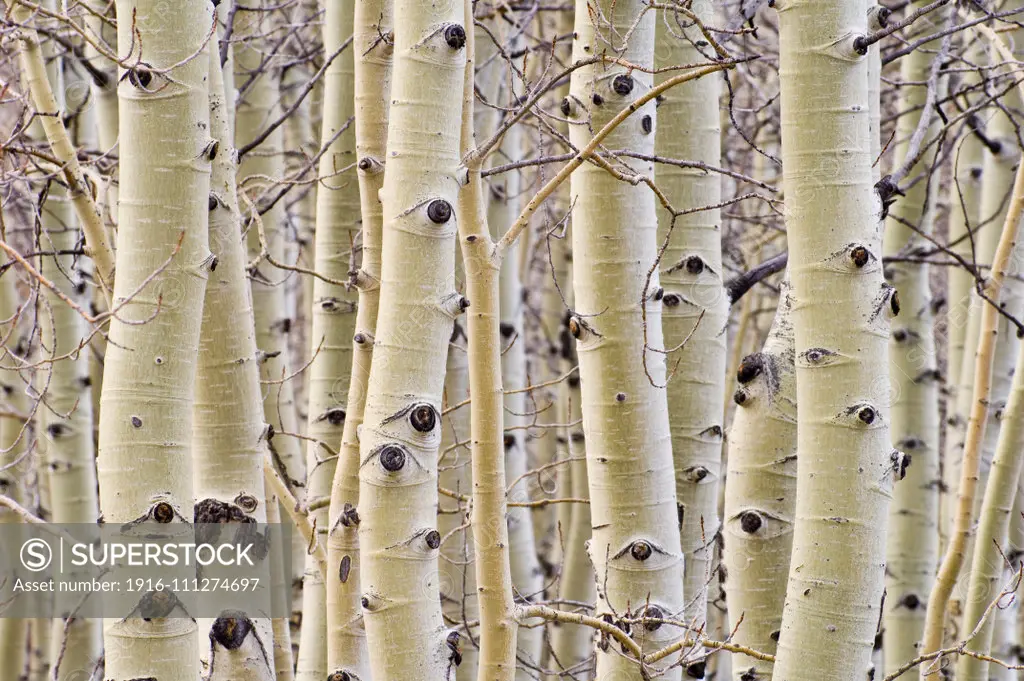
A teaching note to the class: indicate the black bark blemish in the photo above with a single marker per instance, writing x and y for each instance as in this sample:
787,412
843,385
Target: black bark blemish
157,604
597,99
433,539
696,473
886,189
647,124
640,550
423,418
653,612
162,512
506,329
452,641
140,77
136,422
439,211
750,368
622,84
509,440
694,264
455,36
860,256
620,397
672,299
696,670
751,522
230,629
740,397
345,568
392,458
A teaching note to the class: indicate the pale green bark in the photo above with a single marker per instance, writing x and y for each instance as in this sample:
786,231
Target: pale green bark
333,322
758,519
257,171
988,572
912,550
455,566
13,444
346,635
401,431
571,645
144,464
841,314
691,272
228,450
635,547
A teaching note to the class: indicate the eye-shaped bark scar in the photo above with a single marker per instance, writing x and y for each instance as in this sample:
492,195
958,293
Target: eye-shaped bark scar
433,218
642,554
818,357
860,415
698,475
758,523
853,258
422,542
692,264
396,463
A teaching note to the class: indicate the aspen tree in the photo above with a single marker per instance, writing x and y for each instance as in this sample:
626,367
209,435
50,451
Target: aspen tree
401,423
913,539
455,566
502,209
988,566
13,442
841,316
635,547
372,47
960,532
144,463
998,171
65,420
694,299
571,645
261,106
46,104
229,449
333,320
758,526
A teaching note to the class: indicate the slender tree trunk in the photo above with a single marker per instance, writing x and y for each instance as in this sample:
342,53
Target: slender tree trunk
455,566
635,547
333,321
13,442
691,272
256,171
346,634
912,551
228,449
988,567
144,464
759,504
401,430
841,316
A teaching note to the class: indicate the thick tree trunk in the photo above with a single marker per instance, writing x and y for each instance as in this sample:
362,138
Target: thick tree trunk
841,314
401,430
759,503
144,464
635,547
695,300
